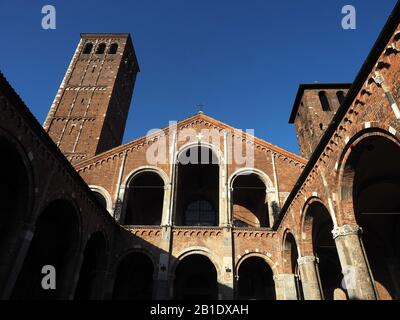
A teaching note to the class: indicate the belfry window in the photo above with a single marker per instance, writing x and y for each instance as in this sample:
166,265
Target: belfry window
101,48
113,48
324,101
340,95
88,48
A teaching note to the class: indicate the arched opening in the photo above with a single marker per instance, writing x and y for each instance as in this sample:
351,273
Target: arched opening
323,98
374,181
134,278
101,48
196,279
14,194
100,198
145,198
318,227
290,256
88,48
249,203
197,188
340,96
113,48
93,268
54,243
255,280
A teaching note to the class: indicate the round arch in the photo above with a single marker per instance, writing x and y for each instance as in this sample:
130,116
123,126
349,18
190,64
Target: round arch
200,144
197,186
254,274
103,192
369,190
270,263
94,265
134,203
317,240
251,208
196,275
346,174
200,251
132,174
56,241
133,275
246,171
288,240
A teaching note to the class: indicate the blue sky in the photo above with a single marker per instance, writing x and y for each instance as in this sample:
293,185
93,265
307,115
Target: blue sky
243,59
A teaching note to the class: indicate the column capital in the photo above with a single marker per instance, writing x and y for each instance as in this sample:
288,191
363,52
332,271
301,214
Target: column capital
307,259
283,276
345,230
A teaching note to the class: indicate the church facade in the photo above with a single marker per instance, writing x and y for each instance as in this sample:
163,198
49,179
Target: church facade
199,209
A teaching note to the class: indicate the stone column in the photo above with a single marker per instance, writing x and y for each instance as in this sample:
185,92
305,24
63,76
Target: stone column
308,266
161,276
358,278
12,257
226,279
285,286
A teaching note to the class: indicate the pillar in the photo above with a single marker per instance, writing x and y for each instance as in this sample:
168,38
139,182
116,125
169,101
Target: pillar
308,266
285,286
358,278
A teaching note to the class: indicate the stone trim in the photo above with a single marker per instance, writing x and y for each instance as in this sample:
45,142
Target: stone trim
345,230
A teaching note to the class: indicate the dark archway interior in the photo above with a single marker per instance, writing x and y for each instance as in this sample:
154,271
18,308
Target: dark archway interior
330,270
145,197
255,280
249,205
291,255
134,278
197,188
92,269
14,192
375,162
54,243
100,198
196,279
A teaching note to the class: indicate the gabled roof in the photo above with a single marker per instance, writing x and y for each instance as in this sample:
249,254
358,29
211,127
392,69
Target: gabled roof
197,117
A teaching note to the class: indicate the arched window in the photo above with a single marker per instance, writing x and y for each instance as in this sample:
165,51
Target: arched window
249,203
197,187
101,48
340,95
100,198
113,48
200,213
88,48
324,101
144,199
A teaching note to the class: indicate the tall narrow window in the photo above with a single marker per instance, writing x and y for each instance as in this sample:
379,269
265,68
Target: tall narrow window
101,48
88,48
113,48
324,101
340,95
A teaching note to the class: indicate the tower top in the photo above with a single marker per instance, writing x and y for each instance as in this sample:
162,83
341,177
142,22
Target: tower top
313,86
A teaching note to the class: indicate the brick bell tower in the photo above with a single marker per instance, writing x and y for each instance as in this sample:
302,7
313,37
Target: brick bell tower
313,110
90,110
